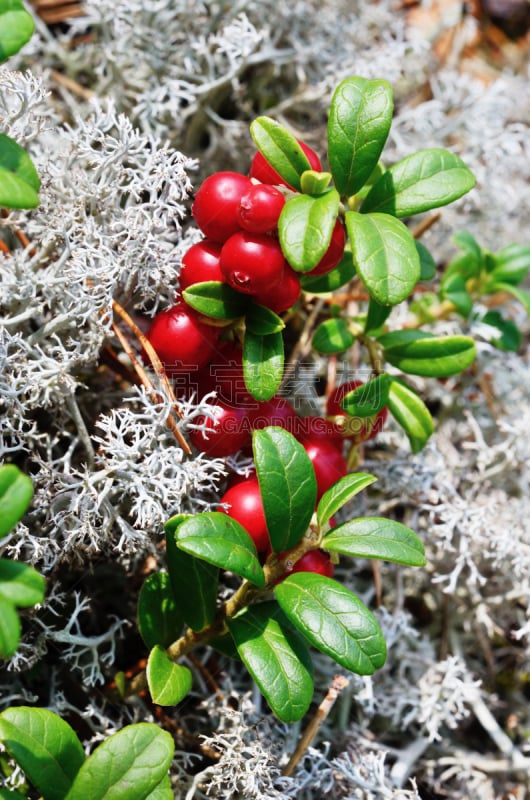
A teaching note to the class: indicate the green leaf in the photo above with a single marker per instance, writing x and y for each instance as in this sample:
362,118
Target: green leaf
305,227
11,794
216,299
16,27
19,182
21,584
193,581
505,334
163,791
359,121
454,289
521,295
512,263
16,491
9,629
129,764
262,321
313,182
467,242
419,182
263,359
332,280
334,620
276,657
411,413
376,537
287,484
332,336
169,683
427,262
220,540
385,256
421,353
367,399
280,149
160,620
341,493
376,317
44,746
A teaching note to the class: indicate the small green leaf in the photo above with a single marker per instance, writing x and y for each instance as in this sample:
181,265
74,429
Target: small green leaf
419,182
305,227
512,263
376,537
216,299
169,683
427,262
159,618
129,764
367,399
314,183
193,581
385,256
332,280
280,149
44,746
411,413
332,336
287,484
263,359
16,28
16,491
276,657
341,493
421,353
522,295
467,242
262,321
454,289
9,628
505,334
220,540
21,584
334,620
376,317
19,181
360,117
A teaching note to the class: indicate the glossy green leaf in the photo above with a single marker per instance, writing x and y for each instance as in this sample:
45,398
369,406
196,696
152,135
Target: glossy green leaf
220,540
409,410
45,747
512,263
313,182
421,353
427,262
216,299
522,295
169,683
504,334
332,280
305,227
19,181
376,537
262,321
359,121
193,581
9,628
160,620
376,317
16,27
341,493
129,764
367,399
385,256
263,359
334,620
454,289
332,336
419,182
280,149
21,584
287,484
163,791
16,491
276,657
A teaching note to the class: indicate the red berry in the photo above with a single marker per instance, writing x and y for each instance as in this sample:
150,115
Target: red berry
316,427
357,429
182,341
261,170
260,207
283,295
276,411
216,204
201,263
334,253
327,460
229,433
252,263
246,507
224,375
315,561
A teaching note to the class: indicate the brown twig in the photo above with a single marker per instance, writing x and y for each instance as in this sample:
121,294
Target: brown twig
72,86
4,248
425,224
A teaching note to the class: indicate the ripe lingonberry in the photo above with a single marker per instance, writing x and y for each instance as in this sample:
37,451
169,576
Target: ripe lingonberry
260,208
229,433
216,204
275,412
182,341
246,507
261,170
224,375
283,295
252,263
357,429
327,460
201,263
315,561
334,253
